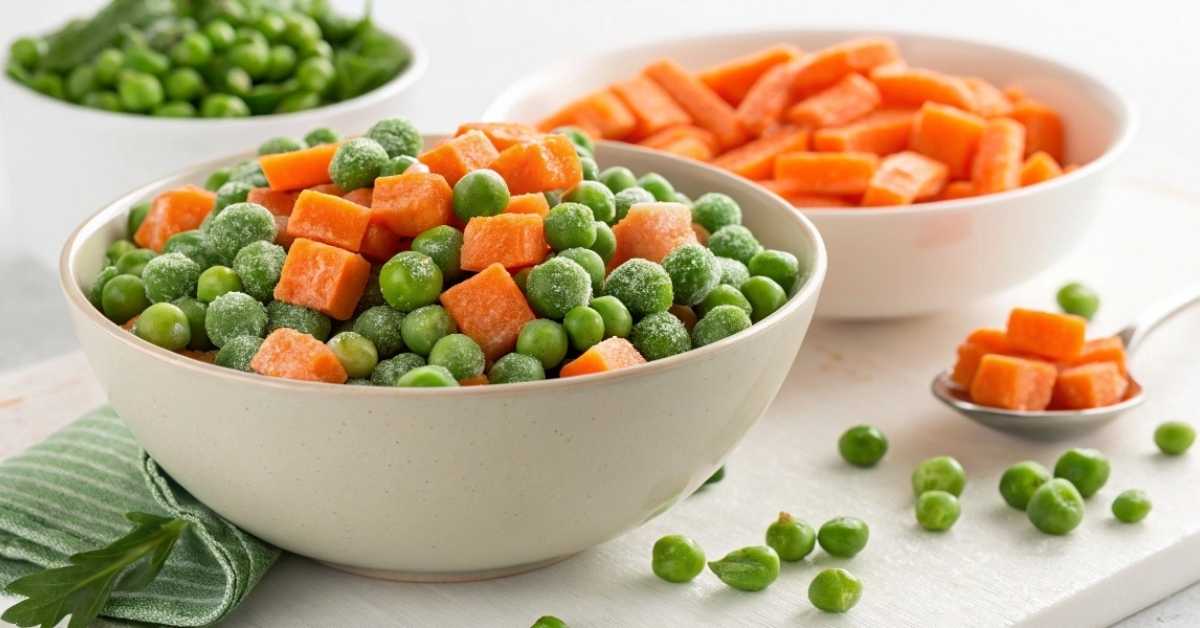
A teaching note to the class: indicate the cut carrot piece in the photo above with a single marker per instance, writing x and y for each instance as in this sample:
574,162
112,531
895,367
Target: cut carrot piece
1043,128
650,105
827,173
298,169
323,278
209,357
547,164
412,202
379,244
490,308
1039,167
989,100
948,135
281,235
171,212
690,148
1109,349
327,188
756,160
685,314
501,134
957,189
708,110
702,234
1014,93
1047,334
998,160
817,201
672,135
606,355
362,196
992,339
601,111
1013,383
733,79
511,240
882,132
651,230
903,178
297,355
459,155
531,203
912,87
474,380
845,101
278,202
1089,386
979,343
764,104
826,67
329,219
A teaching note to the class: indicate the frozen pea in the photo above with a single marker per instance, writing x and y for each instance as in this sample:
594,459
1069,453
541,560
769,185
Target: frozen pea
230,193
238,352
134,262
381,324
321,135
137,214
617,319
715,210
765,296
516,367
234,314
658,186
249,171
733,272
627,198
388,372
584,327
660,335
398,136
570,225
618,178
424,326
591,171
399,165
238,225
591,262
481,192
734,241
277,145
215,281
355,352
606,243
258,266
193,244
597,197
428,376
720,322
357,163
170,276
443,244
216,179
545,340
117,249
557,285
123,297
781,266
459,354
643,286
196,311
97,290
694,272
725,295
281,314
410,280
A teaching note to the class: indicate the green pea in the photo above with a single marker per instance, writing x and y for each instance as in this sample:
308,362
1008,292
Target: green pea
1087,469
725,294
300,101
627,198
597,197
516,367
584,327
398,136
1174,438
765,296
557,285
715,210
781,266
175,110
424,326
381,324
1078,299
170,276
27,51
941,473
323,135
606,243
443,244
356,353
937,511
694,272
643,286
184,84
399,165
216,179
281,62
570,225
196,313
123,297
591,262
480,193
300,29
735,242
461,355
733,272
285,315
719,323
427,377
96,292
660,335
388,372
277,145
410,280
194,50
618,321
863,445
223,106
591,171
137,214
1019,482
165,325
315,74
618,178
549,621
253,57
142,59
658,186
1056,507
139,91
229,193
521,278
109,63
106,100
834,590
790,538
676,558
235,314
134,262
80,82
357,163
683,199
545,340
238,82
216,281
220,34
271,25
117,249
581,140
1131,506
748,569
49,84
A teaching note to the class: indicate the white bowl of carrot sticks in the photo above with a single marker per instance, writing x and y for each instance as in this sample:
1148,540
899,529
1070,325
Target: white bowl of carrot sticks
939,171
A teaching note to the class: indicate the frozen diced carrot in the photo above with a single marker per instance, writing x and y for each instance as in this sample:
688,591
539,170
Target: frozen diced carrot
827,66
651,230
948,135
297,355
1039,167
490,308
329,219
362,196
298,169
998,159
412,202
845,101
881,132
992,339
672,135
650,105
912,87
1109,349
957,189
171,212
281,235
601,111
459,155
278,202
734,78
979,343
1047,334
1089,386
323,278
690,148
764,104
502,134
794,193
1043,128
756,160
827,173
550,163
379,244
511,240
707,109
327,188
1013,383
474,380
702,234
606,355
903,178
989,100
531,203
209,357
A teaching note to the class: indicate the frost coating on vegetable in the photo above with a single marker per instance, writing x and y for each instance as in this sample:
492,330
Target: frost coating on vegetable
235,314
355,352
301,319
643,286
388,372
459,354
424,326
570,225
694,272
239,225
660,335
382,325
734,241
410,280
170,276
591,262
397,136
238,352
628,197
720,322
516,367
277,145
715,210
357,163
557,285
781,266
443,245
258,266
193,244
733,272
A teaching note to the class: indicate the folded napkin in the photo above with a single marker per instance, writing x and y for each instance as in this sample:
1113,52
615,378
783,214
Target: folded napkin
70,493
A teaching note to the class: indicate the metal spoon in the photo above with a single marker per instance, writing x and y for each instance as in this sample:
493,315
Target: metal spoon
1050,424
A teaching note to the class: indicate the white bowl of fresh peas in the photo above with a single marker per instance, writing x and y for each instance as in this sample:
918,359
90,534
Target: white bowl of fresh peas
121,97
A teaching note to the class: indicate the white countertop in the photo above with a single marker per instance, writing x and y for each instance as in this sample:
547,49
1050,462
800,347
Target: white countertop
990,570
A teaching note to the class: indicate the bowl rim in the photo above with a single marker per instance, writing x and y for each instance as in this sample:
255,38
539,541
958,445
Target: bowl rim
413,72
1127,118
77,300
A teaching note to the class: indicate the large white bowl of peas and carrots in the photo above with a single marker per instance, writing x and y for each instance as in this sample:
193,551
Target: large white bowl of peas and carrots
391,477
973,232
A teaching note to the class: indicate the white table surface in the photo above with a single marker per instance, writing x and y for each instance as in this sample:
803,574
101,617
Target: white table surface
992,569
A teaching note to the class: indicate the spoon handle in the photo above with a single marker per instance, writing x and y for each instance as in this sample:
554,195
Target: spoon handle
1136,332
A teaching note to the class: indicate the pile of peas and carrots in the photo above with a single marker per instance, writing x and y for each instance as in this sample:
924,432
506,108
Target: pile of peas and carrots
501,255
208,58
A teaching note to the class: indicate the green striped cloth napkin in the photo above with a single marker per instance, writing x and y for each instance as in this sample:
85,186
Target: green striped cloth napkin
70,493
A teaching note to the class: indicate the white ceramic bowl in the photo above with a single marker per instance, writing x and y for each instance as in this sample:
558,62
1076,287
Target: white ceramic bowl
912,260
64,160
451,484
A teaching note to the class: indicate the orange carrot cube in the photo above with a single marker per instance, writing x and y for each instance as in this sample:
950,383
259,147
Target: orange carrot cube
651,230
999,157
845,101
298,169
297,355
474,380
531,203
827,173
1047,334
1013,383
459,155
501,134
278,202
550,163
412,202
903,178
1110,349
171,212
733,79
329,219
1089,386
1039,167
706,107
607,355
600,111
323,278
756,160
379,244
650,105
490,308
1043,128
979,343
957,189
948,135
882,132
989,100
511,240
362,196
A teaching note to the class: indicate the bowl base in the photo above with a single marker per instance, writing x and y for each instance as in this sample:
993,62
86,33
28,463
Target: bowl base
445,576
